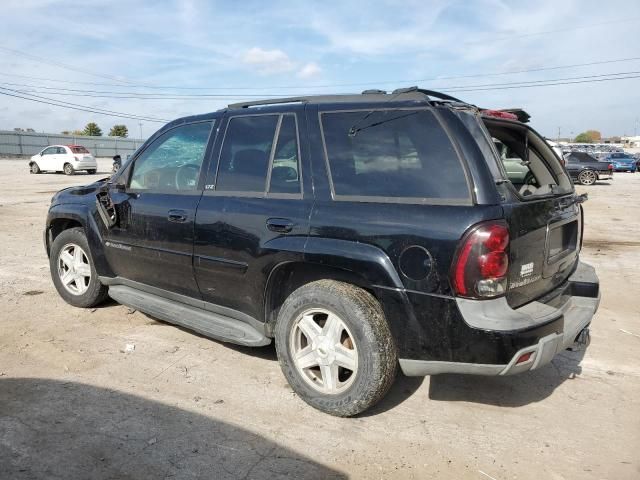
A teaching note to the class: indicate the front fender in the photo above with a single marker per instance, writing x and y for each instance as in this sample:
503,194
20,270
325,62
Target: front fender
87,218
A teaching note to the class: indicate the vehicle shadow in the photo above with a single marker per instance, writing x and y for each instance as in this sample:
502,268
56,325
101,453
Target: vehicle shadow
509,391
53,429
400,391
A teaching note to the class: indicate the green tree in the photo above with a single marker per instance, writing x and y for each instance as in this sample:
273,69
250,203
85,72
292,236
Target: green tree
92,129
584,137
594,134
119,131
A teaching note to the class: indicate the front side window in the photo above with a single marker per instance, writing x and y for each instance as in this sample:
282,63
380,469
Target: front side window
50,151
172,162
250,144
392,154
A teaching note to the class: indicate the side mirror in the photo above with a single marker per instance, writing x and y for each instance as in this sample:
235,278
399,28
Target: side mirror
41,154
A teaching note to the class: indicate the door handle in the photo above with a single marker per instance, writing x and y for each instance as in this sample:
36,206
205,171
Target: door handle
177,216
280,225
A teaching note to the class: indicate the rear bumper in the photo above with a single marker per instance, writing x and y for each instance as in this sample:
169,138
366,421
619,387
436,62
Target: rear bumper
84,165
570,309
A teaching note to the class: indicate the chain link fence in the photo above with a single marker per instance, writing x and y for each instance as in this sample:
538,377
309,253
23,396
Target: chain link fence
30,143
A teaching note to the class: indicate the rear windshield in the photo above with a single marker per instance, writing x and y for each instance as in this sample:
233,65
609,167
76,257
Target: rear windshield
527,160
392,155
79,150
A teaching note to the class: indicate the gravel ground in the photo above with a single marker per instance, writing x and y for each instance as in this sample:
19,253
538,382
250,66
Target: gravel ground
74,403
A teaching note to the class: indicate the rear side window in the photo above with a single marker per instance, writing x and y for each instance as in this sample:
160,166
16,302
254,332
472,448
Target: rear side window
392,154
250,145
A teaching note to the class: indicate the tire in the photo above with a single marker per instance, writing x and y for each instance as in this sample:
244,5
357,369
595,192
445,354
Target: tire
587,177
80,292
68,169
365,342
34,168
91,171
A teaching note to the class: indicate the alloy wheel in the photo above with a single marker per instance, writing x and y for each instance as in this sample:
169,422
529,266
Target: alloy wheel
324,351
587,177
74,269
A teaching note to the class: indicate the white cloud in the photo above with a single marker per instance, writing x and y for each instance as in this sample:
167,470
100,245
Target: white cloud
309,70
268,61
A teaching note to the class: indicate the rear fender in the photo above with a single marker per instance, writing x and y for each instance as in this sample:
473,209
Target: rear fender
365,260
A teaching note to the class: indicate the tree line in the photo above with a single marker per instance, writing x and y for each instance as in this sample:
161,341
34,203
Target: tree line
93,130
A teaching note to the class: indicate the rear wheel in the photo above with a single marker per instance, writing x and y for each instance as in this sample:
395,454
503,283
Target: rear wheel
72,270
68,169
587,177
34,168
335,347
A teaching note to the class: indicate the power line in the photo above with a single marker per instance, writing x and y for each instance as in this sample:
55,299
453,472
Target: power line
546,85
62,65
172,96
73,106
381,82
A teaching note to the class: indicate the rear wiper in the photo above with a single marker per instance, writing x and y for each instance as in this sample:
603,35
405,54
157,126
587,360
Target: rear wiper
354,129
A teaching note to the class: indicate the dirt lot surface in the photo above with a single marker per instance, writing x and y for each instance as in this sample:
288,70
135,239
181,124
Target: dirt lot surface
75,404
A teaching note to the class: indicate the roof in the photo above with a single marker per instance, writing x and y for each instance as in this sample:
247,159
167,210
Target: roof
367,96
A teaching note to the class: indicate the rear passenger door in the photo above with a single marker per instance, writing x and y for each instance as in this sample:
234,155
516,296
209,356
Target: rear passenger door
255,209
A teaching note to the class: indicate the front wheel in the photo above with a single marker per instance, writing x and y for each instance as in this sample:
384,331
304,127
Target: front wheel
335,347
34,168
587,177
68,169
73,272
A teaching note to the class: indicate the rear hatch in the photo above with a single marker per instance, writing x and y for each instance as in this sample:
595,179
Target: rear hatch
542,211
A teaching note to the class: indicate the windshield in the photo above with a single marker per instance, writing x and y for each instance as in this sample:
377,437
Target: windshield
76,149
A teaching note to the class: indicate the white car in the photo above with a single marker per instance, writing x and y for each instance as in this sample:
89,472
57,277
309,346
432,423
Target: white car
63,158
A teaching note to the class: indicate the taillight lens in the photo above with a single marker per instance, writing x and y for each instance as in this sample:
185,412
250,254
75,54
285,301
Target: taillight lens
610,166
481,265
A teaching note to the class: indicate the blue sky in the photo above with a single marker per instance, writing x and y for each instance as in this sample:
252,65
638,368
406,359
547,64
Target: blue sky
242,49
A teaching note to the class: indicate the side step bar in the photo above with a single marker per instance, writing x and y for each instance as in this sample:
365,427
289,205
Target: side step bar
207,323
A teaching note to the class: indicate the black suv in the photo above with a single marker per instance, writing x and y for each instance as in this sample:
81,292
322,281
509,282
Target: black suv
359,232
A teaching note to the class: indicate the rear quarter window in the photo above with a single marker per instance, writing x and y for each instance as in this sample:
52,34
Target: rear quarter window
392,155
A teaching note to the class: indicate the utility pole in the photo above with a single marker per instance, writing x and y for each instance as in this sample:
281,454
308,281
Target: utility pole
140,125
558,133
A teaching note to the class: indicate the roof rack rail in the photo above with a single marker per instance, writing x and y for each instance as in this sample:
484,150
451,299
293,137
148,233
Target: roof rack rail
429,93
269,101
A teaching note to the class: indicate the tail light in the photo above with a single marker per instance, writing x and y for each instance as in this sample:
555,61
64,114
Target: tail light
481,264
610,166
500,114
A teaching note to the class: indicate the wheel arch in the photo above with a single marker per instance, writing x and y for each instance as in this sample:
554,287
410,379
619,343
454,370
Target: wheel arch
287,277
64,216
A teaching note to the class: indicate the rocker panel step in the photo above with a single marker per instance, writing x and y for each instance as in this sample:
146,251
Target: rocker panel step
207,323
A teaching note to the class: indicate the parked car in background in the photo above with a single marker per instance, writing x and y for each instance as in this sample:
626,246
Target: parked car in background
63,158
587,170
622,162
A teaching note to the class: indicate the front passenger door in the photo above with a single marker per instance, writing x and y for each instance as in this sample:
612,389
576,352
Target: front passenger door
152,241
